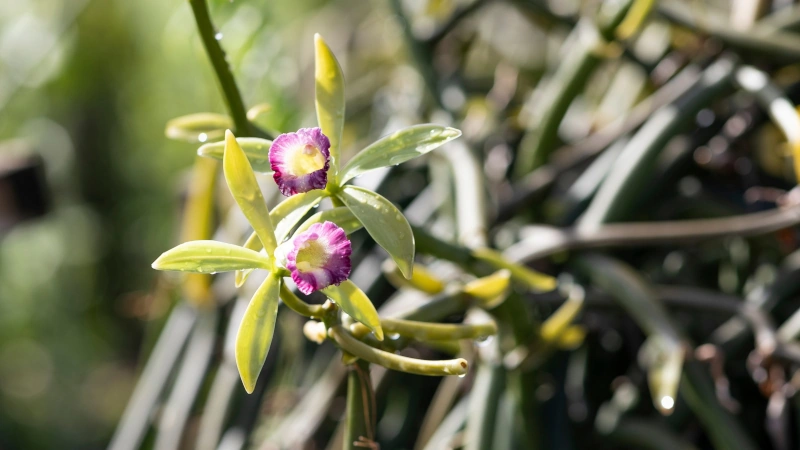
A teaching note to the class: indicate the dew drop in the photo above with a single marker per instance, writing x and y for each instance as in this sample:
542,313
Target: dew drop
462,375
394,336
202,137
218,36
667,402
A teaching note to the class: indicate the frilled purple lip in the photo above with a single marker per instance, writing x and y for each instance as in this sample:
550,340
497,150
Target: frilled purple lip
319,257
297,160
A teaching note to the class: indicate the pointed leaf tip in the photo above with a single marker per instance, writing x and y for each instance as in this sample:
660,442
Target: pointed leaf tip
256,331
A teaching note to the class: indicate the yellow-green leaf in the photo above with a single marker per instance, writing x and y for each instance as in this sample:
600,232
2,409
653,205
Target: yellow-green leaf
244,188
422,279
200,127
256,330
252,243
329,92
398,148
491,290
356,304
256,149
526,276
210,257
384,222
341,216
291,210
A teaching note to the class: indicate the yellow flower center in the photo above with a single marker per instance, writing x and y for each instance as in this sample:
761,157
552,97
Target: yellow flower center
305,160
311,256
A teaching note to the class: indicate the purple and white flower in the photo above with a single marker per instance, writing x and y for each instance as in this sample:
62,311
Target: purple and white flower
300,161
319,257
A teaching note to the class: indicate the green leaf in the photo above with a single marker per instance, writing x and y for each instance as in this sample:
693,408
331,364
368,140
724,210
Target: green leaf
244,188
398,148
256,149
341,216
252,243
210,257
291,210
329,92
256,330
385,224
356,304
200,127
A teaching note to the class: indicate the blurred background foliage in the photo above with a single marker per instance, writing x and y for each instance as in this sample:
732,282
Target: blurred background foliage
88,85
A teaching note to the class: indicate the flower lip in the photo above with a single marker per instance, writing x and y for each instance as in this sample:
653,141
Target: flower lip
319,257
300,161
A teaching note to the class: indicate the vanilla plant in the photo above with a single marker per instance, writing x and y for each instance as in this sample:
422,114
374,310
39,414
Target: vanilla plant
306,165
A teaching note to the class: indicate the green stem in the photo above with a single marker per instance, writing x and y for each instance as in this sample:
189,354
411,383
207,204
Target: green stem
359,421
425,331
230,90
396,362
565,84
419,51
299,306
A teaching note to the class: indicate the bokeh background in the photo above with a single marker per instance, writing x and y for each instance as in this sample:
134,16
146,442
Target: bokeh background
87,86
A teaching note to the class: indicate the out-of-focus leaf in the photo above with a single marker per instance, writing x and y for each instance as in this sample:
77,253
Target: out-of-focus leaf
329,85
256,149
398,148
384,222
244,188
491,290
559,321
256,330
571,338
530,278
356,303
421,279
341,216
210,257
197,224
200,127
256,111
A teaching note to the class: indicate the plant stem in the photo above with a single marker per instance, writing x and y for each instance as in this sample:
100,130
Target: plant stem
359,421
299,306
426,331
230,90
396,362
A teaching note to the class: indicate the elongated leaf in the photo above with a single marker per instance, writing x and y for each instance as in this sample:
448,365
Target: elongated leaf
256,330
356,304
341,216
210,257
385,224
244,188
200,127
290,211
252,243
398,148
329,92
256,149
491,290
